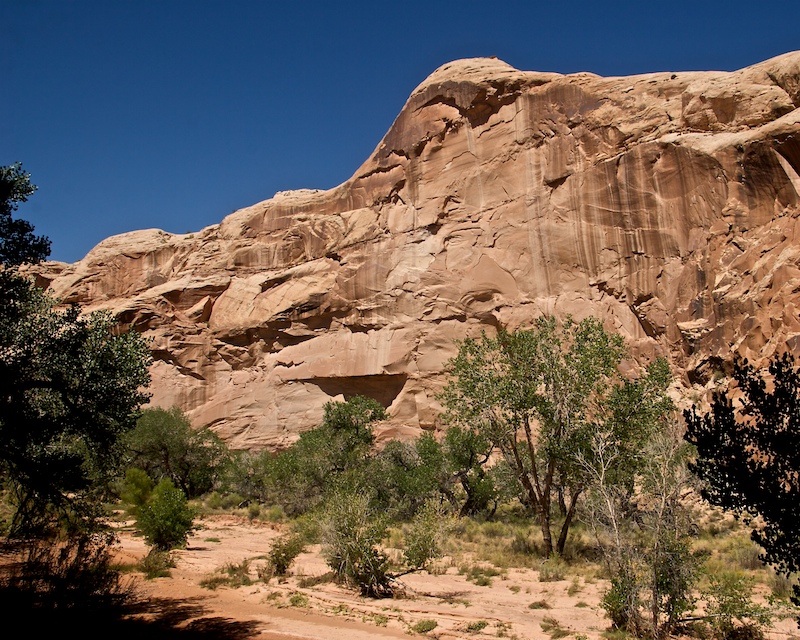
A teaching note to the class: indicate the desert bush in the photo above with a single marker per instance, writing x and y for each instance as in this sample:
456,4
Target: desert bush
350,534
166,519
552,569
231,574
731,610
72,574
284,551
425,536
156,564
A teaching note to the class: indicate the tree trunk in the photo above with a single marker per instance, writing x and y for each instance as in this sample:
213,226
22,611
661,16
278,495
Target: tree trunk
544,522
568,518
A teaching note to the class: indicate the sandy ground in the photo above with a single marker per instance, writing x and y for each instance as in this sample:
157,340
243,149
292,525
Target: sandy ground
326,611
329,611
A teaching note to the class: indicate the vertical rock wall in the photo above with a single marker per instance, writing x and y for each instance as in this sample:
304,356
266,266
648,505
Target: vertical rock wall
667,204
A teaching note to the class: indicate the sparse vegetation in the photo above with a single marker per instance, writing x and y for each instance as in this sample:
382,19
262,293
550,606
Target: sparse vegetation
424,626
156,564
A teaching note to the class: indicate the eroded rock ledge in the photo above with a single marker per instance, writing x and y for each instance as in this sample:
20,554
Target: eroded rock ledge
666,203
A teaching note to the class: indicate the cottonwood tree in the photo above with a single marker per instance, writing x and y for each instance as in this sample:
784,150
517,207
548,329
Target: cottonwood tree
537,396
71,386
748,455
164,445
326,458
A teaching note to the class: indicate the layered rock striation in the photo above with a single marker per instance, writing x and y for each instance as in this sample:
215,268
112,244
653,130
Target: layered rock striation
666,203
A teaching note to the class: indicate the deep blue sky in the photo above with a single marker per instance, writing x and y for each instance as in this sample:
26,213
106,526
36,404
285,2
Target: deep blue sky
173,113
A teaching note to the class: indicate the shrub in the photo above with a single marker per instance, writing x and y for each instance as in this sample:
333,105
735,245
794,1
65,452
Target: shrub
426,535
75,574
230,575
156,564
424,626
552,569
733,614
350,533
284,550
166,520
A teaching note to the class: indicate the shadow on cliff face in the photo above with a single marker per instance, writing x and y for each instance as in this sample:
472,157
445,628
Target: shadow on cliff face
155,619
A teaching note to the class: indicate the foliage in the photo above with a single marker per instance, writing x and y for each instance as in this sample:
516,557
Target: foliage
75,573
284,551
730,607
426,625
351,532
426,535
466,452
331,457
72,385
644,535
17,242
231,574
166,519
749,457
537,396
136,489
405,475
164,445
156,564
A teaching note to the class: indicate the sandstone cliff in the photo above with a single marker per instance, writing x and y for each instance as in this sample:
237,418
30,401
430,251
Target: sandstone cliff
665,203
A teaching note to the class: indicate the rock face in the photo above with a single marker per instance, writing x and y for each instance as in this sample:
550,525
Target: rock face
667,204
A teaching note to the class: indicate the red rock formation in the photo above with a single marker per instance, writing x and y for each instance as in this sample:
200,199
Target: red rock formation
667,204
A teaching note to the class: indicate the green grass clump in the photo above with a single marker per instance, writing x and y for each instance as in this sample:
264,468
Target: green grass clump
553,569
230,575
539,604
156,564
479,575
553,628
299,600
475,627
424,626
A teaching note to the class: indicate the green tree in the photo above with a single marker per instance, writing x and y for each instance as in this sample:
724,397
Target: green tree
166,519
405,475
71,386
748,455
328,458
164,445
467,451
17,242
535,395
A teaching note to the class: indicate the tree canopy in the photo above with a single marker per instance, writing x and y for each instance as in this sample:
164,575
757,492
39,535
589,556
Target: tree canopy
17,242
71,385
538,395
748,455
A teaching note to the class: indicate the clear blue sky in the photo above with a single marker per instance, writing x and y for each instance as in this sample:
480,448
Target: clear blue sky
173,113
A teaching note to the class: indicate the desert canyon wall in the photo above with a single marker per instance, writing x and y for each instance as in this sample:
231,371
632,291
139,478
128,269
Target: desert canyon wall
666,204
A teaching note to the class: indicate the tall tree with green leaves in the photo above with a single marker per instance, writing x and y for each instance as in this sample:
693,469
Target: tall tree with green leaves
71,386
537,396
